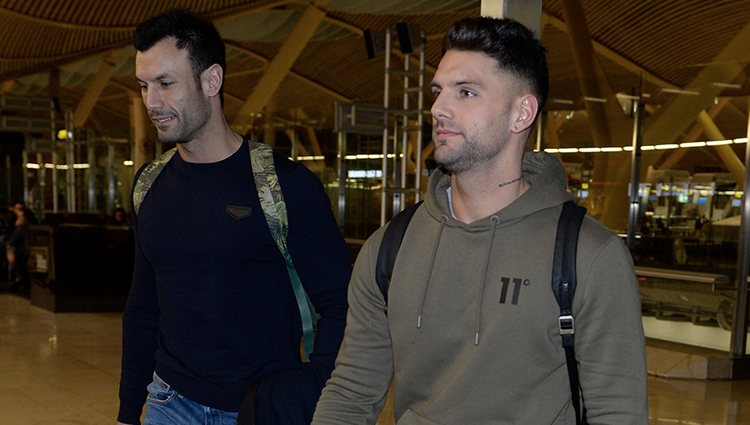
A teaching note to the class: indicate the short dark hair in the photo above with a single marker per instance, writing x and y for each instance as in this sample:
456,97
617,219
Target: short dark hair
511,44
200,37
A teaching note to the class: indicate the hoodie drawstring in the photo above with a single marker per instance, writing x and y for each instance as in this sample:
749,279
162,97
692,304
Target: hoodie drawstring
477,324
443,222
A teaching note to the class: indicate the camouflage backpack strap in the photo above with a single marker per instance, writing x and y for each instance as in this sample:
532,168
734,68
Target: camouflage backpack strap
147,178
272,201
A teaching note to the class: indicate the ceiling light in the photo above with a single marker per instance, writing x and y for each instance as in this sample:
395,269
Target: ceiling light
680,91
692,144
727,85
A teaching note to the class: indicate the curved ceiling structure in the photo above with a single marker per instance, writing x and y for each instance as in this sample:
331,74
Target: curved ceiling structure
78,51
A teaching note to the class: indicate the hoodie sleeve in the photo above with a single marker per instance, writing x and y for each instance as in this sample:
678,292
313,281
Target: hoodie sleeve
610,345
356,392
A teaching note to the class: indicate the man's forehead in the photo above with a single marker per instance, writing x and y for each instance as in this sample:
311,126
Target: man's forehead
163,57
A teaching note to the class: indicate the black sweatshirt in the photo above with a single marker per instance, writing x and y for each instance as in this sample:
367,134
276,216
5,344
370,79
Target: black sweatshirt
211,308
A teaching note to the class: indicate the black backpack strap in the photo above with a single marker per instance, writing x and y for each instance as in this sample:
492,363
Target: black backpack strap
564,287
389,246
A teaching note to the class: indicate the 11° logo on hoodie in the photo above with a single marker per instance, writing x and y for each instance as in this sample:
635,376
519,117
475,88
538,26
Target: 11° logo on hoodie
517,283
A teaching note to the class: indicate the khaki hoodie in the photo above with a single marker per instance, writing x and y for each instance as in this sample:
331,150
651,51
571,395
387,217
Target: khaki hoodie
471,333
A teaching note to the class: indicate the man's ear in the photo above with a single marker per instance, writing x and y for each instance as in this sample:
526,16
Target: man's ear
526,108
211,79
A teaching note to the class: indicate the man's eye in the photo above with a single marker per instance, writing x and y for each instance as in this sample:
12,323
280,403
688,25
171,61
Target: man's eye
166,84
467,93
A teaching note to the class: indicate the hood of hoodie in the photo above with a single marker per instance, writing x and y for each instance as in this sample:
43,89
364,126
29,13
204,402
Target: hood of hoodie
543,172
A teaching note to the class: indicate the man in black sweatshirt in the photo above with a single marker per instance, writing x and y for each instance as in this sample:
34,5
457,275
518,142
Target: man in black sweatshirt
212,318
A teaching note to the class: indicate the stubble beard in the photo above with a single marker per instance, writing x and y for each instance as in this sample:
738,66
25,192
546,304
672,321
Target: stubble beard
188,123
469,155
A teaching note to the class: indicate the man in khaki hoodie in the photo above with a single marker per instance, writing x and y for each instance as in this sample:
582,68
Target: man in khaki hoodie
471,334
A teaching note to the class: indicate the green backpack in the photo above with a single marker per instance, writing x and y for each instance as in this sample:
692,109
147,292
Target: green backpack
272,201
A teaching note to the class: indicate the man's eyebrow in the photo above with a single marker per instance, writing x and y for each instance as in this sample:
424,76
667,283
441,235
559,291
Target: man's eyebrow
467,83
458,83
162,76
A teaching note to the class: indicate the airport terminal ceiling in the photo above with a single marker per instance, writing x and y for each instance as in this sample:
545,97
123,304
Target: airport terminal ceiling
684,61
679,57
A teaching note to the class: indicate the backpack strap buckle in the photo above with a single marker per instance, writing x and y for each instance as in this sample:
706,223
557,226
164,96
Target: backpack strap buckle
567,325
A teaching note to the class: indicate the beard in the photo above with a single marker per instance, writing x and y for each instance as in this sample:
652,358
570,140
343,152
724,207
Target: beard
474,151
188,122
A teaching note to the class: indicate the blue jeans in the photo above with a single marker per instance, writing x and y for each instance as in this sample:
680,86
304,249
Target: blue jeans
164,406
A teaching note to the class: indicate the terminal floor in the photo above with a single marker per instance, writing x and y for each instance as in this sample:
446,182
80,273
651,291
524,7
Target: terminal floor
64,368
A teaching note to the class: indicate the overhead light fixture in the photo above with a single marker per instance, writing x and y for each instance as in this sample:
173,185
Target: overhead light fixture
680,91
667,146
719,142
727,85
563,101
595,99
627,96
692,144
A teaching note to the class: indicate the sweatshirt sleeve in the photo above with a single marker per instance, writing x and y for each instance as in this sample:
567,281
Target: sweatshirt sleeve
139,339
321,258
610,345
356,392
140,330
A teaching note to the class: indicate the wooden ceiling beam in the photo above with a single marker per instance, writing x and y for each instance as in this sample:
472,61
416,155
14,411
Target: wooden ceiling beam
610,54
281,64
694,134
671,120
327,90
726,153
95,88
589,72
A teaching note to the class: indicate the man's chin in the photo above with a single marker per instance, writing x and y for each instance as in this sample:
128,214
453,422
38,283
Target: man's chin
165,138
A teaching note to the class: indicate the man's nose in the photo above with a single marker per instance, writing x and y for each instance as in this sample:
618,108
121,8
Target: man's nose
152,99
440,107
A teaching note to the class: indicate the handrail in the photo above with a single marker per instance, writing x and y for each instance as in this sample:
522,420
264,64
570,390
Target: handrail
718,281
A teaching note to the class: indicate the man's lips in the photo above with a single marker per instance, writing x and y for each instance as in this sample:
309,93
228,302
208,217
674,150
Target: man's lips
444,132
161,119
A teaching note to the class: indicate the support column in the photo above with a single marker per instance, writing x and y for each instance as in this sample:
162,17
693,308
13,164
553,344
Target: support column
143,145
341,165
70,176
740,366
527,12
635,175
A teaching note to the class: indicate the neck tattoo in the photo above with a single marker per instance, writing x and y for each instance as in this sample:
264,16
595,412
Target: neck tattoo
516,180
